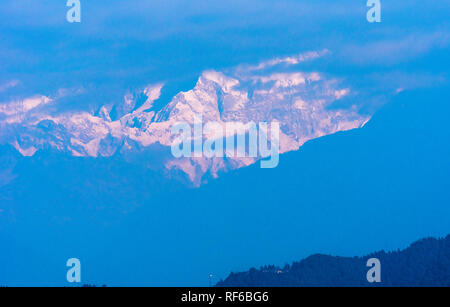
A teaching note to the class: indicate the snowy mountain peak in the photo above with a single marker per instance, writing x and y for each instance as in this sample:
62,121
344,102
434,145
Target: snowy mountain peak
299,101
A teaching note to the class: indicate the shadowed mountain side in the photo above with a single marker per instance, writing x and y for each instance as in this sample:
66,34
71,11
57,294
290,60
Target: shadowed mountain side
424,263
9,157
376,188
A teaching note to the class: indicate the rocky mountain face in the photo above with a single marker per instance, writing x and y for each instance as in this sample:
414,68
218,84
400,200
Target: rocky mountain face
301,102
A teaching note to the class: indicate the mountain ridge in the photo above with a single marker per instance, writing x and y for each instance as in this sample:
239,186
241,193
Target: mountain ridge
424,263
300,101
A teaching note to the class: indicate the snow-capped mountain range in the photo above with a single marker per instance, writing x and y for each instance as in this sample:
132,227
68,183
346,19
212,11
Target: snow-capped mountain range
302,102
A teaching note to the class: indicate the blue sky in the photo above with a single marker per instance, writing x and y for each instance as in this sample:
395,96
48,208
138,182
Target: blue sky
120,47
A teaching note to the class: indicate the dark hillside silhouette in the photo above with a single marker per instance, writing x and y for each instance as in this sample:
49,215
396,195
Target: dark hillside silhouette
424,263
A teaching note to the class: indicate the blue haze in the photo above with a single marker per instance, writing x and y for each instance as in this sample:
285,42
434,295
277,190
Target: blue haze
348,194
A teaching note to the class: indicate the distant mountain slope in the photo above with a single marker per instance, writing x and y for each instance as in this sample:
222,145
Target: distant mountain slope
306,104
424,263
9,157
379,187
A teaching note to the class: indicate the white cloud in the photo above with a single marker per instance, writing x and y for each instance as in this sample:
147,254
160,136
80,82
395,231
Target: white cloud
394,51
6,86
287,61
17,109
341,93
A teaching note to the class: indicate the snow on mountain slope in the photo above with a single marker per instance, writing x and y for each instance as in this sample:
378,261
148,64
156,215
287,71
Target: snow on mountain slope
302,102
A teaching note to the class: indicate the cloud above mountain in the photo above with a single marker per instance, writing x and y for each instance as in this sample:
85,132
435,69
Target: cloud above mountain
119,47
